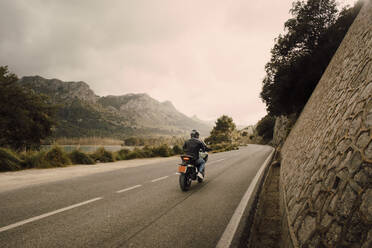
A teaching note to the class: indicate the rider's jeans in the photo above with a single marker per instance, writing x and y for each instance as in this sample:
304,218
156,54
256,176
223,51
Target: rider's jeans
201,164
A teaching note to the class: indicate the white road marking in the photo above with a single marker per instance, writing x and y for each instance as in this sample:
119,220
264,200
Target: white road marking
177,173
229,233
20,223
130,188
158,179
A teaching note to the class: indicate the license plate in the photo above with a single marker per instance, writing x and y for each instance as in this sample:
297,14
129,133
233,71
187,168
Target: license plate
182,169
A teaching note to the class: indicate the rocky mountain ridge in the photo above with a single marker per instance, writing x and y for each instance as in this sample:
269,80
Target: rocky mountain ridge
83,113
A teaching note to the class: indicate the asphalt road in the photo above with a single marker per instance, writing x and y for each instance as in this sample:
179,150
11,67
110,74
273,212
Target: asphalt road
139,206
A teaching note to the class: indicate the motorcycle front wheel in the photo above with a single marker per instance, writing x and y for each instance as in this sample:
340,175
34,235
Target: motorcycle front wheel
185,182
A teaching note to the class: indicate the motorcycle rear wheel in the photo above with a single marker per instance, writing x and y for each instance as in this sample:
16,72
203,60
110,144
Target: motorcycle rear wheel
185,182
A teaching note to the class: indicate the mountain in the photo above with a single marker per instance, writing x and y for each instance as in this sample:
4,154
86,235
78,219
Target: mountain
82,113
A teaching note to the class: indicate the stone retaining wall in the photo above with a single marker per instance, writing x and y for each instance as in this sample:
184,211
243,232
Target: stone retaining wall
326,167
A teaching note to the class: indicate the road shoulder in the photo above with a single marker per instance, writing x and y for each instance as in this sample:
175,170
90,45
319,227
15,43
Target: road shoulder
20,179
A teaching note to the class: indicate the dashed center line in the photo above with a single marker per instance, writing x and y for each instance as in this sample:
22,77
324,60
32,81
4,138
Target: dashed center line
158,179
20,223
130,188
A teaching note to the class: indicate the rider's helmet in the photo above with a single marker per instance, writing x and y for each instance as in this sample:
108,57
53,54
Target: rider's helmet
195,134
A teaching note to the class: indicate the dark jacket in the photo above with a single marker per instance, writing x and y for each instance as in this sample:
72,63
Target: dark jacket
193,146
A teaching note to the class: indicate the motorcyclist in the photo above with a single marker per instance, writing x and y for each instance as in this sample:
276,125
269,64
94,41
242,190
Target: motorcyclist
192,148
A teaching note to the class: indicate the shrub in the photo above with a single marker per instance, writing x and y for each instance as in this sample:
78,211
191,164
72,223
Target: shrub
78,157
177,149
122,154
148,152
162,151
9,161
223,147
265,127
34,159
101,155
56,157
136,153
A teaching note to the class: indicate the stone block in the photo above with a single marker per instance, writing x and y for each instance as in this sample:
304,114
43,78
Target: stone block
368,242
354,232
362,178
316,190
333,235
320,200
326,221
355,162
368,151
366,207
363,139
346,202
307,229
333,203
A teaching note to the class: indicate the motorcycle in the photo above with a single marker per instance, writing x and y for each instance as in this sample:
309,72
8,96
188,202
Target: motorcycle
189,171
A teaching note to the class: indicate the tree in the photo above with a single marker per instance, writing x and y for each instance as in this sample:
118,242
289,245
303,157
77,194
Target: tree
265,128
26,117
222,131
301,55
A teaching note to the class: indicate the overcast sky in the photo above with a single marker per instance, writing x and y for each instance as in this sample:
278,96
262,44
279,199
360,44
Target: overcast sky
206,56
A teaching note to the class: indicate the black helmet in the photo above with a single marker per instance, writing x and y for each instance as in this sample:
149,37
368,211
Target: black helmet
194,134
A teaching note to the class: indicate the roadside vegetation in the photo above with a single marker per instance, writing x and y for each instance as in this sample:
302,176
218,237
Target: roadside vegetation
223,135
11,160
26,117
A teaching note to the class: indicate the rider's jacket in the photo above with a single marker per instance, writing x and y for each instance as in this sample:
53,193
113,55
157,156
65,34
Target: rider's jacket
193,146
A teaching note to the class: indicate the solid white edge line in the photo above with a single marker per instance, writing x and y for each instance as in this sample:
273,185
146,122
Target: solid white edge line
130,188
158,179
229,233
20,223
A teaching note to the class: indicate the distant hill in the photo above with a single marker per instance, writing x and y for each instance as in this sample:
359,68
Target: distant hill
82,113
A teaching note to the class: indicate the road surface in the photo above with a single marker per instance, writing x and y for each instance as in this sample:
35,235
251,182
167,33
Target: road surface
127,206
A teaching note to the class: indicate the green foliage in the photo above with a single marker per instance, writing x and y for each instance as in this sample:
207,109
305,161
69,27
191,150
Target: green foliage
122,154
162,151
177,150
301,55
222,131
78,157
223,147
265,127
148,152
134,141
56,157
136,153
9,161
34,159
103,156
26,117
